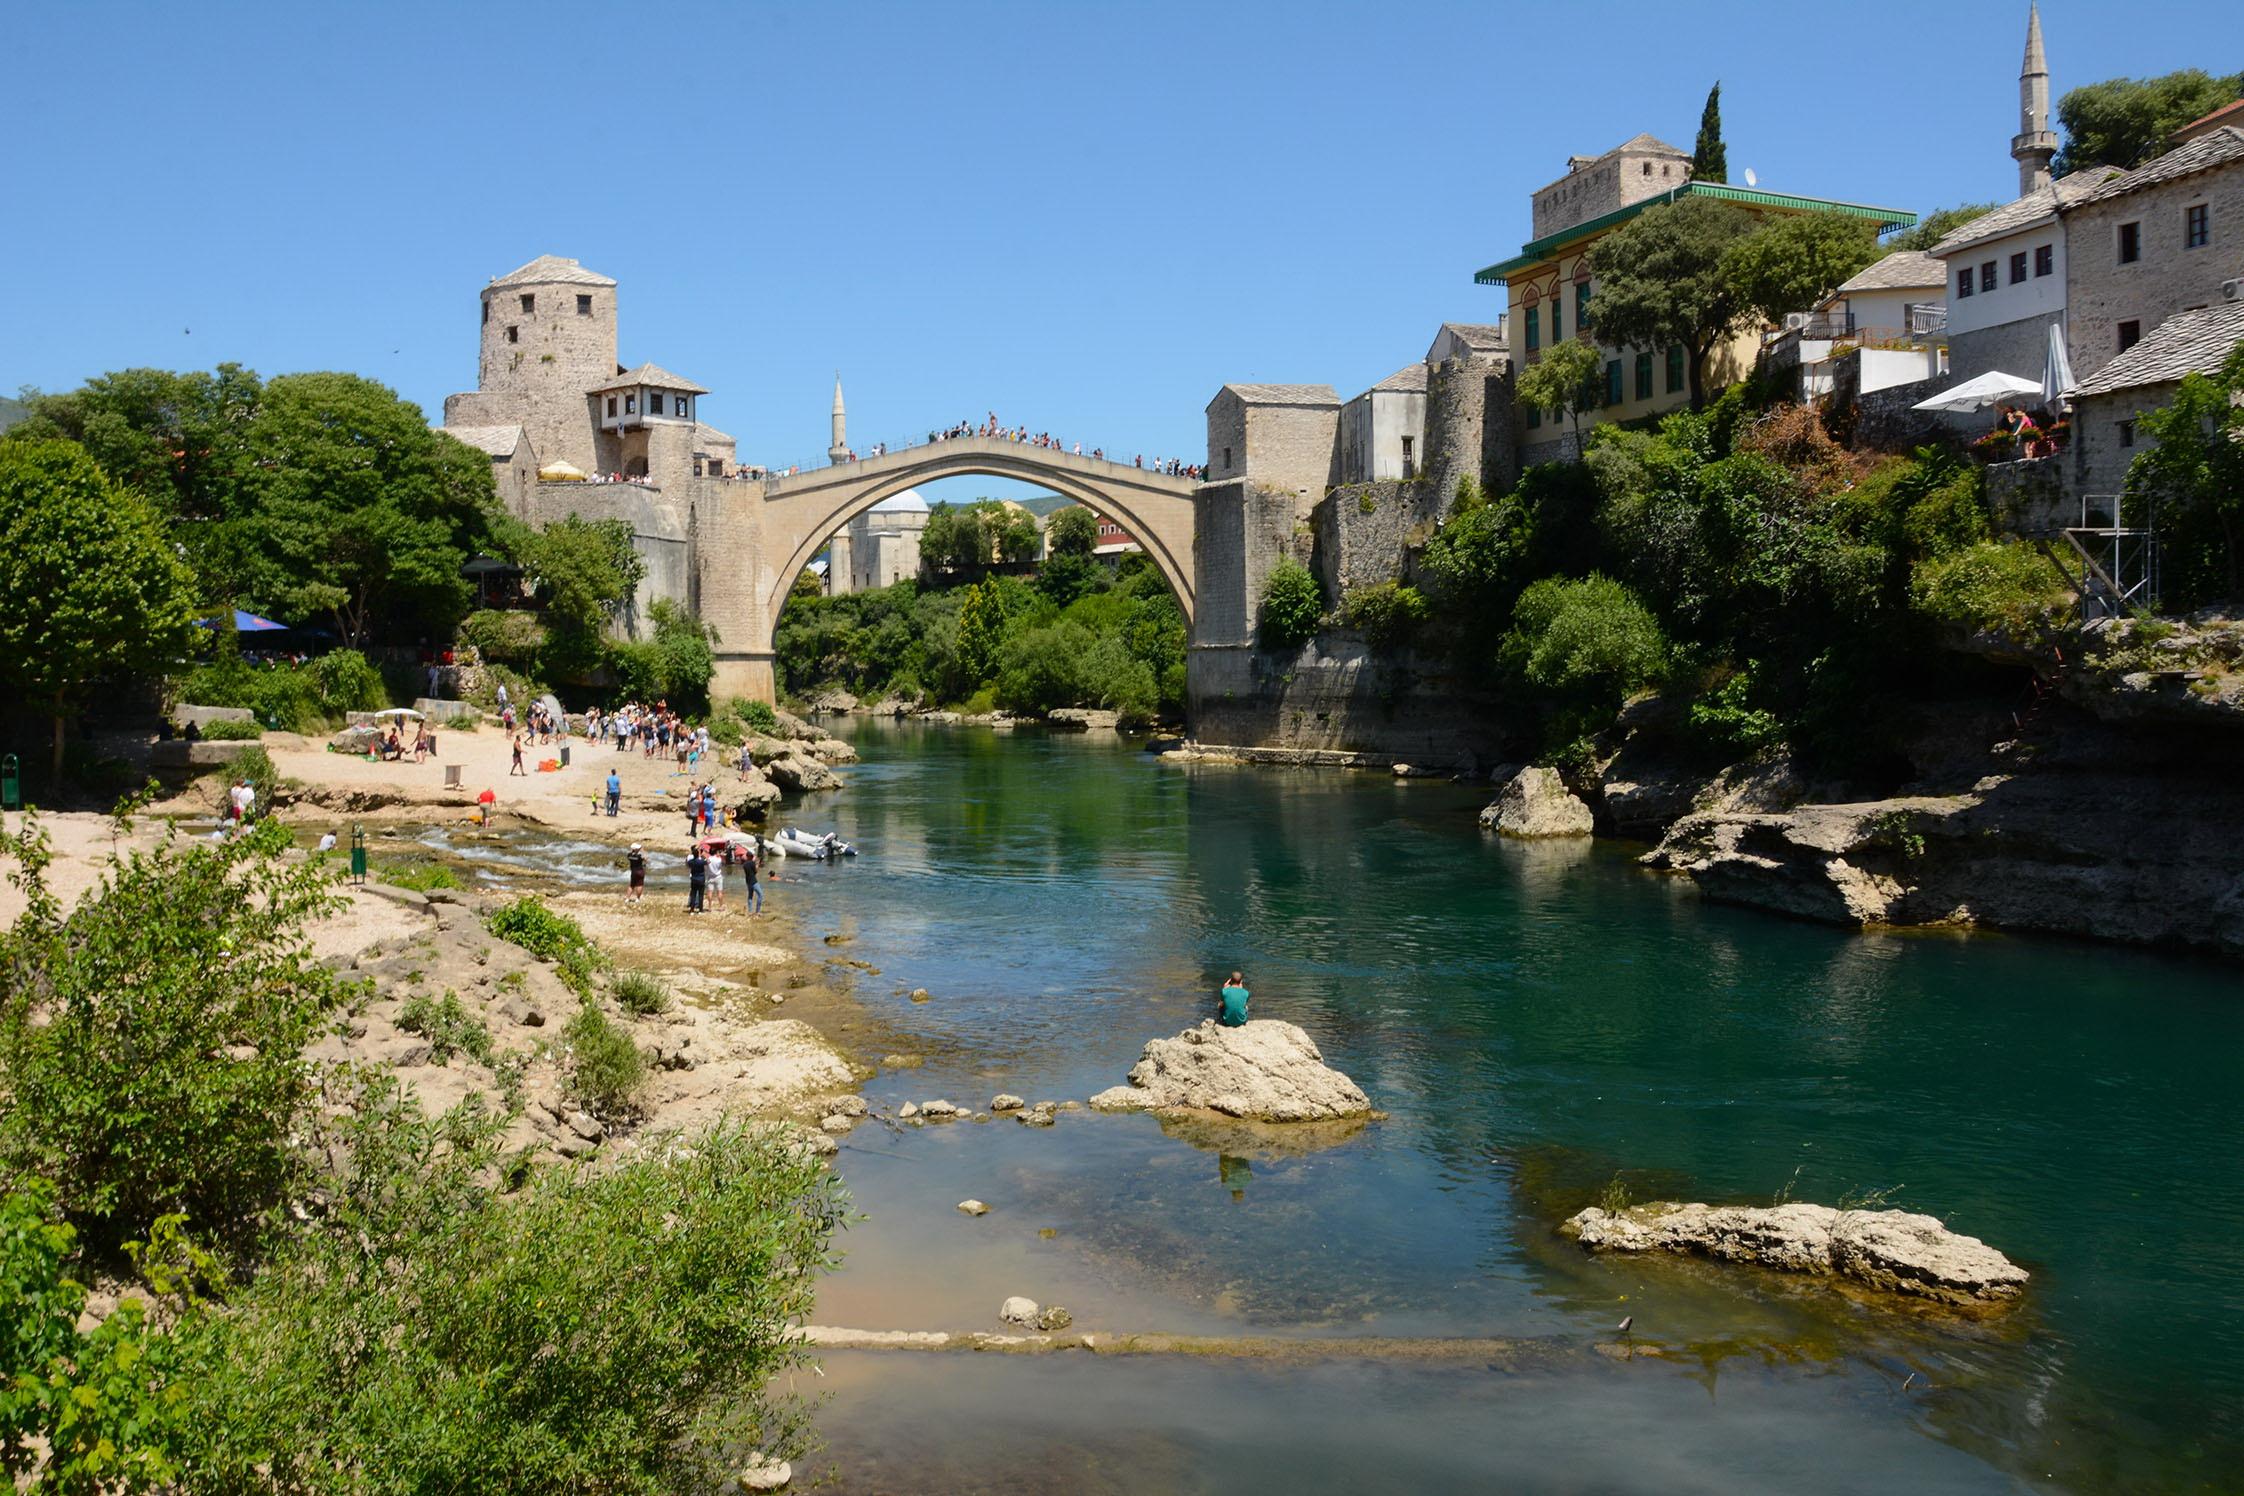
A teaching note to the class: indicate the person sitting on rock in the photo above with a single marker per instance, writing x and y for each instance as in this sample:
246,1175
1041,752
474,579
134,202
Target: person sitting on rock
1233,1012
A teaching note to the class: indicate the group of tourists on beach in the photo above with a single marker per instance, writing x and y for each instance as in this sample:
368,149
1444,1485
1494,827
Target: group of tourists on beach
652,730
709,865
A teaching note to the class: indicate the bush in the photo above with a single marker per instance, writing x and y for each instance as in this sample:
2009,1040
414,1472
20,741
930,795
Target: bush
308,698
151,1043
549,936
256,766
757,715
1387,614
1583,647
232,730
637,992
520,689
606,1071
1726,724
1997,586
505,636
614,1330
449,1027
1292,606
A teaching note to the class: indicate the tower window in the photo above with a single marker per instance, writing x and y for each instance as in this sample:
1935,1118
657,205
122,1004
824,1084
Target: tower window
584,305
529,303
2130,243
631,405
2127,433
2130,333
2045,260
1227,459
513,334
611,407
486,313
2197,225
1963,282
1410,466
1987,276
2018,267
654,403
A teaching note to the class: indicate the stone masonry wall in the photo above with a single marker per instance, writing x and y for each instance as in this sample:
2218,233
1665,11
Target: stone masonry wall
1461,437
1335,693
1365,532
2020,348
2030,497
557,355
1293,447
2098,454
2101,293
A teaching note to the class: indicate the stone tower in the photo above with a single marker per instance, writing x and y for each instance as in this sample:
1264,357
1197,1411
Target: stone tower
2035,142
839,451
549,337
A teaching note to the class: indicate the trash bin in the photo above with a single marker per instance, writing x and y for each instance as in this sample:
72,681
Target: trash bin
564,755
452,776
11,784
358,854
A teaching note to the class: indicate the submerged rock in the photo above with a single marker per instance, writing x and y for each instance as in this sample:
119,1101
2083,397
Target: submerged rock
1893,1250
1019,1311
1267,1070
1005,1101
973,1207
1535,802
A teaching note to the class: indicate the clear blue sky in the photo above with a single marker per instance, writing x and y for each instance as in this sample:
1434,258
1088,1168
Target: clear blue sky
1084,217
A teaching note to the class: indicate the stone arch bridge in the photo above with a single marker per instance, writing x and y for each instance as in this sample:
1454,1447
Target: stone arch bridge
752,540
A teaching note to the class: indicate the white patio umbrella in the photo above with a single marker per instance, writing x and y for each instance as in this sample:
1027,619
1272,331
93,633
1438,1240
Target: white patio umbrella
1977,394
2057,372
397,711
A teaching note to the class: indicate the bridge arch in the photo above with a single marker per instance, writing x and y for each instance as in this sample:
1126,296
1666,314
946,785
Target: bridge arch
801,512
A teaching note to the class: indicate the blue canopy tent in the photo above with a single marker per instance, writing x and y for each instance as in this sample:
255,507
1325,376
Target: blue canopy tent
245,623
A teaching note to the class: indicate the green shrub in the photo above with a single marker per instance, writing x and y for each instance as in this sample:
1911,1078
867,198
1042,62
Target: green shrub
756,716
346,682
520,689
622,1329
606,1072
151,1044
1725,723
255,765
1582,647
637,992
553,937
1999,586
503,635
449,1027
232,730
1292,606
1387,614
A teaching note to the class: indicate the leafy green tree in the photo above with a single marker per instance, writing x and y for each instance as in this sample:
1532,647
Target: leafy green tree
1666,277
1293,605
2123,122
585,572
807,583
107,1406
359,512
1792,263
1710,160
1042,668
981,630
151,1043
2193,471
1564,381
180,440
1073,531
954,538
1584,644
94,589
1938,225
1013,533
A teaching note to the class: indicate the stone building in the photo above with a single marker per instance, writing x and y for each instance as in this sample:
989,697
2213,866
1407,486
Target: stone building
1286,435
2108,403
2152,243
1550,285
1383,430
879,547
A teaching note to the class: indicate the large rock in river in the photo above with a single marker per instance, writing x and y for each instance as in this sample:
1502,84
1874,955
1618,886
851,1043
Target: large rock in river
1537,803
1267,1070
1893,1250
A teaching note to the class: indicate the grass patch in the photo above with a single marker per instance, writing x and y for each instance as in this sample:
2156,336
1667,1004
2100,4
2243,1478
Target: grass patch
448,1026
553,937
419,876
637,992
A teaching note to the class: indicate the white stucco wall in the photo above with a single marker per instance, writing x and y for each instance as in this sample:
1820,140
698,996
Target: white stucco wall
2036,297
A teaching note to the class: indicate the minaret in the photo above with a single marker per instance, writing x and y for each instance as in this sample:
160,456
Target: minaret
2035,142
839,451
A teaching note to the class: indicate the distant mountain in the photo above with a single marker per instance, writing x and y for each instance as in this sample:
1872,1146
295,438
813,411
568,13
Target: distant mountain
12,411
1043,504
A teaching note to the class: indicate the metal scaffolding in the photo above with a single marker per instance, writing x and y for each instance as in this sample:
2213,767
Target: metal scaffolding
2118,565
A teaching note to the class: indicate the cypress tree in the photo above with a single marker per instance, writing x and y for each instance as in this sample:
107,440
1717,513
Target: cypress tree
1710,162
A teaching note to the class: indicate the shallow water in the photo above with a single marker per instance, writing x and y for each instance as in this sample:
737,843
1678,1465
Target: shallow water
1536,1020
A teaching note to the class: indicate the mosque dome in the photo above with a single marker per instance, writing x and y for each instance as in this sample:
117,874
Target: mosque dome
907,502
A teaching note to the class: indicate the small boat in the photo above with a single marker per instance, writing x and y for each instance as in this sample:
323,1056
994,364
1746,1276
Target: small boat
802,844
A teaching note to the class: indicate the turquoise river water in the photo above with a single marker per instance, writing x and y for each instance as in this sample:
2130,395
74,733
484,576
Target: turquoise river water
1537,1021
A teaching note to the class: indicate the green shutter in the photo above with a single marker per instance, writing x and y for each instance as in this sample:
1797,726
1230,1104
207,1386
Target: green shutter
1644,376
1675,380
1581,306
1534,328
1613,382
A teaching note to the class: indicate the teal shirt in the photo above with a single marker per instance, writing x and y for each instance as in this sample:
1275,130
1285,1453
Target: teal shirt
1234,1006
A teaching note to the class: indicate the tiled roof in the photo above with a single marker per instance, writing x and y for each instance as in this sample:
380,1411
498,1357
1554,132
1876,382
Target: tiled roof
654,374
705,435
1284,394
1478,336
2227,114
499,441
1637,145
1900,271
552,270
2024,212
1410,379
2214,148
2192,343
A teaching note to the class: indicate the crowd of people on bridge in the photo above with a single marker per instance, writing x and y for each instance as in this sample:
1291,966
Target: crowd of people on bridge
989,429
